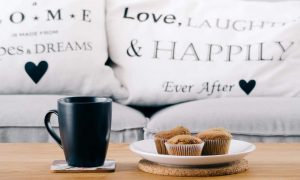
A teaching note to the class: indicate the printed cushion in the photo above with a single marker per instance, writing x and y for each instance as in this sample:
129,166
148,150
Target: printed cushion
172,51
56,47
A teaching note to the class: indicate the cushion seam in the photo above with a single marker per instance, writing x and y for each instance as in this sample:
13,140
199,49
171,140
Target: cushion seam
237,133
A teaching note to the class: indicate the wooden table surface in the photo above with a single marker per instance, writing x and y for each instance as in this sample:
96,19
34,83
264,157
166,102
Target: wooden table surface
32,161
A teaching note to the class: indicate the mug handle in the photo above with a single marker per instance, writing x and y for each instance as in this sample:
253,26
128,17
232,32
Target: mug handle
49,127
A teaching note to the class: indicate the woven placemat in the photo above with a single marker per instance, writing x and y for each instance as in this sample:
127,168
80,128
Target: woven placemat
200,171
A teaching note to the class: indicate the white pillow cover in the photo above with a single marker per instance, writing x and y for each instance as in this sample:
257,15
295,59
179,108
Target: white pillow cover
55,47
172,51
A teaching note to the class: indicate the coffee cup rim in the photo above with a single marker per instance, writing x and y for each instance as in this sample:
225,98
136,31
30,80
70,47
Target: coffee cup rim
95,100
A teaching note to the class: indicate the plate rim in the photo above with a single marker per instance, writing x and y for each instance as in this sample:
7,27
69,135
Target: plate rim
251,149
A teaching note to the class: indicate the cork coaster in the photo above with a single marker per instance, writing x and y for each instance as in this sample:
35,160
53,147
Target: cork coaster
199,171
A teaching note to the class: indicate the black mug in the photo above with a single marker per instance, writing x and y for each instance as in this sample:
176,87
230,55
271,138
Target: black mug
84,126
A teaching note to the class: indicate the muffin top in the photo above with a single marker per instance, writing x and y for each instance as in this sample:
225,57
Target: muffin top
179,130
184,139
214,134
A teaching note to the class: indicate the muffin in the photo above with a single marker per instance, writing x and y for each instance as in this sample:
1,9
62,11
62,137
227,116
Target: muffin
216,141
162,137
184,145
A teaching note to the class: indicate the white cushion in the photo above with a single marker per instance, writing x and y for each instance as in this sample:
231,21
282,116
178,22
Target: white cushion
242,116
55,47
172,51
30,110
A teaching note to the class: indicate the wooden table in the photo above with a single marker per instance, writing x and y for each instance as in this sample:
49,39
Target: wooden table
32,161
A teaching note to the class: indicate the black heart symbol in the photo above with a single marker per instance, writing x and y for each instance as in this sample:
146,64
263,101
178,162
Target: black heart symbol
36,72
247,87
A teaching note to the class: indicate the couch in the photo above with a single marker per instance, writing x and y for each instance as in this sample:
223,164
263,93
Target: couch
252,119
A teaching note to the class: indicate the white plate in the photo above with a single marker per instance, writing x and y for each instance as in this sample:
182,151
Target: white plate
147,150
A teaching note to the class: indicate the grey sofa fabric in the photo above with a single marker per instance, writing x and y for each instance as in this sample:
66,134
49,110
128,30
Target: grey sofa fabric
40,135
22,119
250,119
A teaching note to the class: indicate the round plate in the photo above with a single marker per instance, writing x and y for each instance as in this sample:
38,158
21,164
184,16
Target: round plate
147,150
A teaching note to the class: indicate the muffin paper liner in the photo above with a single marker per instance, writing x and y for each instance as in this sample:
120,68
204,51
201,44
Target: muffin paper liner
160,145
184,149
215,147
